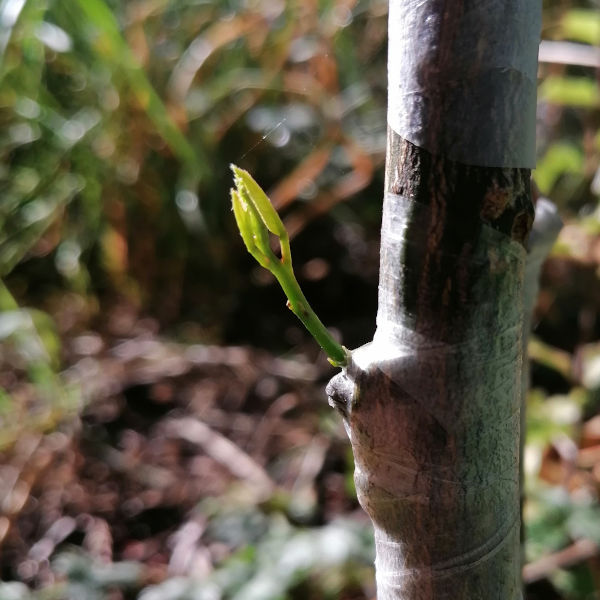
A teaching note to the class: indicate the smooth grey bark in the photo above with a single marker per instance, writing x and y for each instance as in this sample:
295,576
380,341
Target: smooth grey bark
432,405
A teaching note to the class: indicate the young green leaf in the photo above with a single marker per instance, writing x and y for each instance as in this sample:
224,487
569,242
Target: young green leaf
255,217
250,227
260,232
268,214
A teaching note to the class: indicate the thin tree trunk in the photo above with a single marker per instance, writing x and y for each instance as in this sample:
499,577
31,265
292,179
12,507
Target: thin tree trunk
432,405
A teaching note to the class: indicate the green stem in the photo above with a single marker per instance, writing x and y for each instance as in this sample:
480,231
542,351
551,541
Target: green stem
298,304
256,217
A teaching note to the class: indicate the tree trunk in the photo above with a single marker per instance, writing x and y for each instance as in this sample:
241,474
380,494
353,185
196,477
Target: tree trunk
432,405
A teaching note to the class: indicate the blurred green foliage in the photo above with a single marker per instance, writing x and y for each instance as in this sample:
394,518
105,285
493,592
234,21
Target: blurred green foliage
119,120
320,563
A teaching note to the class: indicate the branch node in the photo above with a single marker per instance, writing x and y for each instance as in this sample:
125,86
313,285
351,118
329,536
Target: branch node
340,394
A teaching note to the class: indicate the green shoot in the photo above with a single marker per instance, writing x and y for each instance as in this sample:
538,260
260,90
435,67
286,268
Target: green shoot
256,217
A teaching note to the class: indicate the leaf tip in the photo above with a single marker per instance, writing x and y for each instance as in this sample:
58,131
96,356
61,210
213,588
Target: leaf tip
238,173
